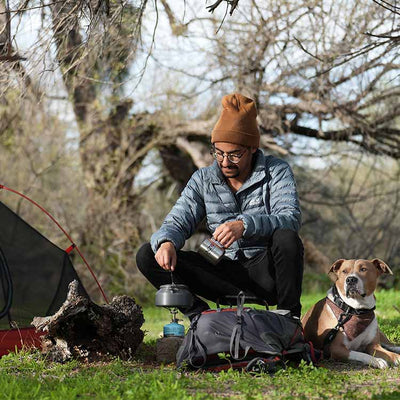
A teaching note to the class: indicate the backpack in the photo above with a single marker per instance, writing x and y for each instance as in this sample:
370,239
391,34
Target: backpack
244,338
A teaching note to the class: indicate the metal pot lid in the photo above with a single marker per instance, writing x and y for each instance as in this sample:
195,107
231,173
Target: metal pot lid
179,286
174,295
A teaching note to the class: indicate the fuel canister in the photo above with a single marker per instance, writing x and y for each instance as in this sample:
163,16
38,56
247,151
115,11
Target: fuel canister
174,329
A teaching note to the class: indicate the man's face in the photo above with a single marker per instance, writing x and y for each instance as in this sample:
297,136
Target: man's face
229,169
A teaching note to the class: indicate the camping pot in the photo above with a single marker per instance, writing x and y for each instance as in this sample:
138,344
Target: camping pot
211,250
174,295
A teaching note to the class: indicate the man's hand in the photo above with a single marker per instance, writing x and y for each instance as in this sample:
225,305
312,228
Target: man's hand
229,232
166,256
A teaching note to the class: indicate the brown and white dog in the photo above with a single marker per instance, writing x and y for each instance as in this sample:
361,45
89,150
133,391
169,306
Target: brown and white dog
351,301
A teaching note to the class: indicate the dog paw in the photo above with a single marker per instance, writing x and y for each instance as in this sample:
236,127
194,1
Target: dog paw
379,363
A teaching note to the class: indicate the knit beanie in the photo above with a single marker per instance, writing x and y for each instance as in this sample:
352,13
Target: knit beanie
237,122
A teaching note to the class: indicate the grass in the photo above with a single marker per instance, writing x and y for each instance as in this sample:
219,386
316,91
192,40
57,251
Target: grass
29,376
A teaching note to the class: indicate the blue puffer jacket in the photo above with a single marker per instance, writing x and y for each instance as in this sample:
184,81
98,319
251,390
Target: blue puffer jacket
267,201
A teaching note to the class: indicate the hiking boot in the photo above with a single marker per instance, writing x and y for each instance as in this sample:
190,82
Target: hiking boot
197,308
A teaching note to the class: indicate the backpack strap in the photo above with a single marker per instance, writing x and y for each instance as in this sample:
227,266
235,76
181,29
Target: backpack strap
237,330
196,348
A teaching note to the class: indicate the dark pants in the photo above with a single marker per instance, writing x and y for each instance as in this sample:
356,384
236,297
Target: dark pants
274,275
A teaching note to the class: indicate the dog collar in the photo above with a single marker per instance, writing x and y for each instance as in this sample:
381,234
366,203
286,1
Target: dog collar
345,307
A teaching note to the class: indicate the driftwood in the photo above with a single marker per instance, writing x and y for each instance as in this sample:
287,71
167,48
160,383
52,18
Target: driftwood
84,330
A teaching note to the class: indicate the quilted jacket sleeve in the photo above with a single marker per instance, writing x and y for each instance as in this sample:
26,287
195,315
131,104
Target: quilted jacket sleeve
283,204
184,216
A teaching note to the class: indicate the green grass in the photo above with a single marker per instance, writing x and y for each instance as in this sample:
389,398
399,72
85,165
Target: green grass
29,376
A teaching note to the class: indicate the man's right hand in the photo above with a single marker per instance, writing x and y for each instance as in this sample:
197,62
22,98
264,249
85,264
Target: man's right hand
166,256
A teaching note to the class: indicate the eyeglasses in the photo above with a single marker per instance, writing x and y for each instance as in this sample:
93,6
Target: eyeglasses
234,158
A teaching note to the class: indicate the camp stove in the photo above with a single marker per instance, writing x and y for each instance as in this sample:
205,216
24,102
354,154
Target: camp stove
172,296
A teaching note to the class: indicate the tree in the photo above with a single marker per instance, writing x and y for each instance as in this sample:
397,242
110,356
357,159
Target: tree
94,63
295,58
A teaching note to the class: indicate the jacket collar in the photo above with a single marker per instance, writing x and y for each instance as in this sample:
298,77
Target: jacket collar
256,175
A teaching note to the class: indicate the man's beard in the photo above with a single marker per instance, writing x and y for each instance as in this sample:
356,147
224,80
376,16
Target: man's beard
231,171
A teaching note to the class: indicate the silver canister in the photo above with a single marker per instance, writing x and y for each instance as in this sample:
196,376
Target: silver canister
211,250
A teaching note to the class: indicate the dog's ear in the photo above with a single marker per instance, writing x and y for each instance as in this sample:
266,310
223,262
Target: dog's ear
334,267
382,267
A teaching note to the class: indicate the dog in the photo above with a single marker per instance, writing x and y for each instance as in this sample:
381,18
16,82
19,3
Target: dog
343,325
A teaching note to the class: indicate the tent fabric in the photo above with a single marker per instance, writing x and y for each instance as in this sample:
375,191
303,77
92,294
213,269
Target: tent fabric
34,275
17,339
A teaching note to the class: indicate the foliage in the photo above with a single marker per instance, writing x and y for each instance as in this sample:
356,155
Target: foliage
129,380
38,159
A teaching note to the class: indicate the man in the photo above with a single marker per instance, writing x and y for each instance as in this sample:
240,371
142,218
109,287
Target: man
251,206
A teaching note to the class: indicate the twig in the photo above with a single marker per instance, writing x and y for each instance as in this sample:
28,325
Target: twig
153,39
383,36
33,7
223,19
384,4
306,51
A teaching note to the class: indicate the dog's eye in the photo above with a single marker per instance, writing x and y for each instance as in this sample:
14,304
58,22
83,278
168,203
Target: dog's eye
363,269
344,271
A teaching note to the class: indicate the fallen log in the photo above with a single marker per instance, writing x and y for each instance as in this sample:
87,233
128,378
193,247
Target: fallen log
83,330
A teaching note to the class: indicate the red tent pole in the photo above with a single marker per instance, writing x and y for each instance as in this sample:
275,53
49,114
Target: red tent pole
73,245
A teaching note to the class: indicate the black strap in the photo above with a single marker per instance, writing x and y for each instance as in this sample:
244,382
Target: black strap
330,337
237,330
345,307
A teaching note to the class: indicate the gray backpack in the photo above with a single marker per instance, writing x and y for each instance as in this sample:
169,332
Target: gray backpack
243,338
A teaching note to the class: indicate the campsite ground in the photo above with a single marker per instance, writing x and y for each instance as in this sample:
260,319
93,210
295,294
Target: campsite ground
28,376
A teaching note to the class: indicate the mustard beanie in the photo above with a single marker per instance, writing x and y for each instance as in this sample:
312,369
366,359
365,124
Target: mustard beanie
237,122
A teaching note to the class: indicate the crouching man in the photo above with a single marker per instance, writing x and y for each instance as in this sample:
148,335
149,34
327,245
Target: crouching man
251,206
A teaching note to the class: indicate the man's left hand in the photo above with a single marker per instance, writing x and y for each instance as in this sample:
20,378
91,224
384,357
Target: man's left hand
229,232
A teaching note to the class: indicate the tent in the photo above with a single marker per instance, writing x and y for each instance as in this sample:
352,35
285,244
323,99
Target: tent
34,277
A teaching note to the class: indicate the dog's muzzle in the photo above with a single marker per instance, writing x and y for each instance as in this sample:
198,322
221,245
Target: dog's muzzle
353,287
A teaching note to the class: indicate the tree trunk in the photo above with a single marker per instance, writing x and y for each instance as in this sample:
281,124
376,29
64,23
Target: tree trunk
4,42
113,144
81,329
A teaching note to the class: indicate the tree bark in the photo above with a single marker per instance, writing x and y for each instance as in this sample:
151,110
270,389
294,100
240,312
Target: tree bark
3,29
113,141
83,330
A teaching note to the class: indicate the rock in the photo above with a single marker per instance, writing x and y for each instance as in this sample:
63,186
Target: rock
167,347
